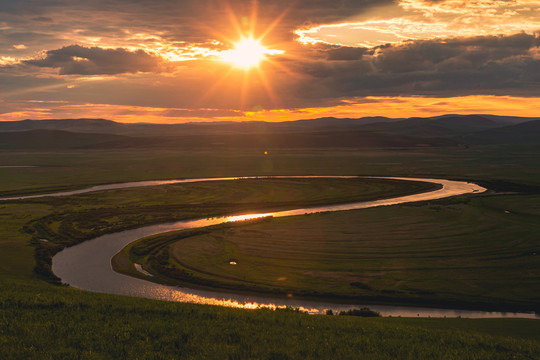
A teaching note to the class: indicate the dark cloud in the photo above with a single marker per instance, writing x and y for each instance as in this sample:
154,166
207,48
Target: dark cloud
483,65
315,10
78,60
468,53
346,53
189,20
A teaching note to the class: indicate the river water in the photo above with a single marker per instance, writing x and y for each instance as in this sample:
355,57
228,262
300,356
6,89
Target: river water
88,266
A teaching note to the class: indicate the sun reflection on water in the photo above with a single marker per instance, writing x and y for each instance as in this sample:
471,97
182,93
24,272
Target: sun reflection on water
251,305
248,217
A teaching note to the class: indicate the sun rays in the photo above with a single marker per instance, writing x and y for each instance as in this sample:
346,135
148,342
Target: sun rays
249,55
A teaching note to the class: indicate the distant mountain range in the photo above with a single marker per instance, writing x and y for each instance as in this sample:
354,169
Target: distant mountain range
367,132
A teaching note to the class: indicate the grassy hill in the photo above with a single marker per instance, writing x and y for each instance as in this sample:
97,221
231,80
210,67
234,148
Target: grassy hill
440,127
527,132
324,133
53,139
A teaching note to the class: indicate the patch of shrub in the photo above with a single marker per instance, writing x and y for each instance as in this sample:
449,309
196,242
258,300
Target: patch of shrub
363,312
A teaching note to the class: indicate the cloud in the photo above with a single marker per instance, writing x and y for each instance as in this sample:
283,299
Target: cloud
79,60
454,54
429,19
345,53
183,20
497,65
177,31
477,7
319,75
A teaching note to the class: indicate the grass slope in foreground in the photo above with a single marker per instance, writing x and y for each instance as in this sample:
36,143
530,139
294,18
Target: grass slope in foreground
38,321
478,252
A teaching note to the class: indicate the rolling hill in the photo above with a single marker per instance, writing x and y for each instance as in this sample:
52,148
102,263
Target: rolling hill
523,133
440,127
52,140
371,132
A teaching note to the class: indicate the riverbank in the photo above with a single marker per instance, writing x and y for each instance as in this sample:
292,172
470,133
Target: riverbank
79,217
355,257
387,296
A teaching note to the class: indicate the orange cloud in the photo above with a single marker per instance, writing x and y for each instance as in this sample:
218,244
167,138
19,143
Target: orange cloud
401,107
430,20
397,107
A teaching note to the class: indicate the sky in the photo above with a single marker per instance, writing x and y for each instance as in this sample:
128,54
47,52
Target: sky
168,61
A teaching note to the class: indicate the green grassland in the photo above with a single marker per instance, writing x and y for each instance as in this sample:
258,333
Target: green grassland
75,169
38,321
41,320
472,252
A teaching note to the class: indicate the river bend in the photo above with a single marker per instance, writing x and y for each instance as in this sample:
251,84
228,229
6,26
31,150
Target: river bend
88,266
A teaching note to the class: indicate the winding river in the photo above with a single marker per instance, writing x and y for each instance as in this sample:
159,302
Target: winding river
87,265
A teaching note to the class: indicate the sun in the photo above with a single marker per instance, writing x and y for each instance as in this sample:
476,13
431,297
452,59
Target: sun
248,53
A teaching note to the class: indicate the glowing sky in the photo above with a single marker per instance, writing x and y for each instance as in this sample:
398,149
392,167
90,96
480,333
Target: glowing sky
170,61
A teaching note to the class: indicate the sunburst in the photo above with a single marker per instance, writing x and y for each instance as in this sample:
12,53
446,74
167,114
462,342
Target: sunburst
248,52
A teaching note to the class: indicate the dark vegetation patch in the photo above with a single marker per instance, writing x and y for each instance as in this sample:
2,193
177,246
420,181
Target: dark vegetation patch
363,312
44,251
506,186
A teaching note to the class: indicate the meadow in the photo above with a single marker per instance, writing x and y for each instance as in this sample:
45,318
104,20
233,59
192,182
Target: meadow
477,252
80,168
41,320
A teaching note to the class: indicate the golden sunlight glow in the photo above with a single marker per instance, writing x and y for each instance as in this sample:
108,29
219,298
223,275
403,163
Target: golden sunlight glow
248,217
401,106
7,60
422,19
248,53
